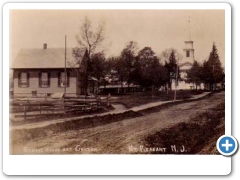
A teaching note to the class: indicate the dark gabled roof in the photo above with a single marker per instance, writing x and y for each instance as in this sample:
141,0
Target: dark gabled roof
44,58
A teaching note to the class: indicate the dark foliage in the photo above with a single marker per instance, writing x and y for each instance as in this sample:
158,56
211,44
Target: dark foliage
212,71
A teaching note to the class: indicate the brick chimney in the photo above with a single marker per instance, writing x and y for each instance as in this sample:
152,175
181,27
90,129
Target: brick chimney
45,46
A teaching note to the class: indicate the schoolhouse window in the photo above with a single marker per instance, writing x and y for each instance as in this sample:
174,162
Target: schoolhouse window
61,79
187,53
44,79
23,79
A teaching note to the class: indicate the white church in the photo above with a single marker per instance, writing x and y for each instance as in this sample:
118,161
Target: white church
186,64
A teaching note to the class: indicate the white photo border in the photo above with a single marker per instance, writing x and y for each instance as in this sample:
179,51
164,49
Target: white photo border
114,164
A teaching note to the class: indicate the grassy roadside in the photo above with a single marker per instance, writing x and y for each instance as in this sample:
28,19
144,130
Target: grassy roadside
140,98
198,136
128,100
52,117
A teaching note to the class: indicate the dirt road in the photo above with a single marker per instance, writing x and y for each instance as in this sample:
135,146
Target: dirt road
122,137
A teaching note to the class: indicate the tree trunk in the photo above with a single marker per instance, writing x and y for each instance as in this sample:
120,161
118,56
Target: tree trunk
170,85
121,86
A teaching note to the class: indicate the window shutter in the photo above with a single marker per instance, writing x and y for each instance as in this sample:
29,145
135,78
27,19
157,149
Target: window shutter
28,76
40,79
59,76
68,79
19,79
49,79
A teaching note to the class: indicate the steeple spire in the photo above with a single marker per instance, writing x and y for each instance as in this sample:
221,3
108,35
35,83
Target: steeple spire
189,29
188,50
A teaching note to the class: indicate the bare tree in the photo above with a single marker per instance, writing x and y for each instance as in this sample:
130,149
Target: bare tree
88,38
165,55
88,41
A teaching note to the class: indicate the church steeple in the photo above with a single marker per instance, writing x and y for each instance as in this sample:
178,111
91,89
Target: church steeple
189,30
188,50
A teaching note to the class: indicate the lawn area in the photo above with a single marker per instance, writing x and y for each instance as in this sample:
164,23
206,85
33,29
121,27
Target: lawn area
135,99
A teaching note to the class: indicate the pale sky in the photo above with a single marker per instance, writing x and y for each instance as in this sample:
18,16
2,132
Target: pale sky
158,29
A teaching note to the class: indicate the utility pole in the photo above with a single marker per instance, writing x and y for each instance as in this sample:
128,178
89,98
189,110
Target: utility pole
176,81
87,72
189,28
214,86
65,69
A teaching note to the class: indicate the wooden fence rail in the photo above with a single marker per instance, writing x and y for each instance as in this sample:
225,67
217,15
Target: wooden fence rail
68,105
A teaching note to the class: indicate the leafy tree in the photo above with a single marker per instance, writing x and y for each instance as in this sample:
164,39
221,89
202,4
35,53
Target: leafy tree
124,64
110,74
157,74
120,68
171,66
127,58
110,64
194,75
148,70
212,69
97,65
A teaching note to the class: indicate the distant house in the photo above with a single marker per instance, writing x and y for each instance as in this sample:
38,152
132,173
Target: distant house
41,72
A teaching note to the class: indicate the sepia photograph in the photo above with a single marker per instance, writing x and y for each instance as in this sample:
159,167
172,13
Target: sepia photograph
105,81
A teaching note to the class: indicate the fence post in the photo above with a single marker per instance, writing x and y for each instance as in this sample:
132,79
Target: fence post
63,103
25,113
98,102
85,103
108,99
40,108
